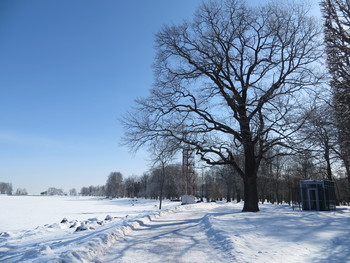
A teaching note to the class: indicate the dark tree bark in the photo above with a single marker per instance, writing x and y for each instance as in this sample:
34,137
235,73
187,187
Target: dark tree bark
162,179
251,199
228,84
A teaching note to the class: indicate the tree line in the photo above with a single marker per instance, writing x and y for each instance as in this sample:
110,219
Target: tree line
277,178
6,188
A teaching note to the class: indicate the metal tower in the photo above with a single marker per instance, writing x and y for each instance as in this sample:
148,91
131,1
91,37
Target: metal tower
188,163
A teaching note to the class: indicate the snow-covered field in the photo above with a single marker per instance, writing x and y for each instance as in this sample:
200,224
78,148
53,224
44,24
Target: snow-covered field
31,228
30,231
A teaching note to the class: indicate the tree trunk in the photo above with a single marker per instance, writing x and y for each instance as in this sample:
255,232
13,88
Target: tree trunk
251,198
250,194
238,195
348,175
162,179
228,198
328,162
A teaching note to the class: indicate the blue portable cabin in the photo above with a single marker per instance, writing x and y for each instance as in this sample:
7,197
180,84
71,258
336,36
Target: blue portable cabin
318,195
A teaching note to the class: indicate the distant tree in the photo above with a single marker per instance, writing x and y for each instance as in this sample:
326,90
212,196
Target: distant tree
272,171
92,191
54,191
84,191
173,186
305,166
230,182
320,133
144,185
21,191
163,152
230,84
129,184
152,185
114,185
73,192
213,187
5,188
97,190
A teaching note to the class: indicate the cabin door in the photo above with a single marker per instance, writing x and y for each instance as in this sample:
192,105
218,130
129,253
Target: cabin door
313,199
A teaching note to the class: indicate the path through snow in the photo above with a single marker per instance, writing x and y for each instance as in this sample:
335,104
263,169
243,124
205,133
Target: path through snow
222,233
179,236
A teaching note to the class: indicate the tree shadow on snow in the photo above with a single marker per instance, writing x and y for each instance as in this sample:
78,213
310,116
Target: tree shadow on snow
285,225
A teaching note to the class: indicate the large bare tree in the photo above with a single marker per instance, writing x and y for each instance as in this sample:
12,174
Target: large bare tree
337,36
230,83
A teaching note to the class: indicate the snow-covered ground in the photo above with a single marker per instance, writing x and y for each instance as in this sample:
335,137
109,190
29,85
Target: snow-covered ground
31,228
137,232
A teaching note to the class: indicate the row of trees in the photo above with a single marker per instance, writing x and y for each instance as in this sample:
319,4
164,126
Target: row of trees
53,191
277,177
113,188
6,188
21,191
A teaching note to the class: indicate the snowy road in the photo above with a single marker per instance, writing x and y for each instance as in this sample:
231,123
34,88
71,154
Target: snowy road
179,236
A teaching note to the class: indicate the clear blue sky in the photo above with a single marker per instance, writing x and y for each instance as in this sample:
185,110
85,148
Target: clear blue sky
68,70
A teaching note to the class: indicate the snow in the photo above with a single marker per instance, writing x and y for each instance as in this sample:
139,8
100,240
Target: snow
126,230
27,212
31,228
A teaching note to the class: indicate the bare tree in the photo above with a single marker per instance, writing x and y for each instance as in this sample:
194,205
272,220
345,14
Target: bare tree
114,185
320,136
73,192
130,187
229,181
337,37
163,152
54,191
21,191
230,83
173,186
5,188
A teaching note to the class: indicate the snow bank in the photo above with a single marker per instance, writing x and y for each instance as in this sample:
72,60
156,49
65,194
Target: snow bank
98,245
